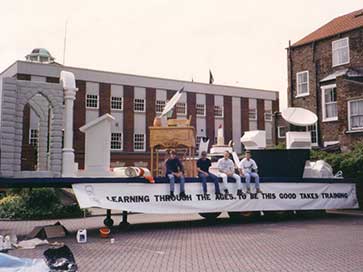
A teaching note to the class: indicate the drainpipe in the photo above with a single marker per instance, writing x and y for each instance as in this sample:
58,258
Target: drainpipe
317,91
291,85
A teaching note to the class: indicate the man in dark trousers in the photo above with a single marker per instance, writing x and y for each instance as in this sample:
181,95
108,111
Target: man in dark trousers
203,165
174,170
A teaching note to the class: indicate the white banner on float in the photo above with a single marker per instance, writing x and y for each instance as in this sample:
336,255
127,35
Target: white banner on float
155,198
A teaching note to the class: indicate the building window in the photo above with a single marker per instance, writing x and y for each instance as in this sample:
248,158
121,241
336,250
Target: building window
33,137
139,105
181,108
200,109
139,142
116,141
314,133
355,114
252,114
302,83
116,103
268,116
281,132
340,51
218,111
329,101
159,106
92,101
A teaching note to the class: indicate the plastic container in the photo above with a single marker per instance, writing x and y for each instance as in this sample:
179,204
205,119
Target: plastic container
82,236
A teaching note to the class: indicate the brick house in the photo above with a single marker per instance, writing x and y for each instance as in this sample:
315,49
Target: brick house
325,75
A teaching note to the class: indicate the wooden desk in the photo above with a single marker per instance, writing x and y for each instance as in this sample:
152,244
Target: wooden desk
172,138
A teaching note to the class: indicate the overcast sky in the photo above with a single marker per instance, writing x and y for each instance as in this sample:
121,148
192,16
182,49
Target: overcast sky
242,42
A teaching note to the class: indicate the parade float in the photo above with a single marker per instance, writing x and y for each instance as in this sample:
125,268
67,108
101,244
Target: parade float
289,181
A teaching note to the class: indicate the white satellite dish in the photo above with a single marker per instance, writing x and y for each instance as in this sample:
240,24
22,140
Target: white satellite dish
299,116
170,105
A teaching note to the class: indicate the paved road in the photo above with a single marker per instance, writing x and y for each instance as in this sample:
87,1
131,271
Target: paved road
187,243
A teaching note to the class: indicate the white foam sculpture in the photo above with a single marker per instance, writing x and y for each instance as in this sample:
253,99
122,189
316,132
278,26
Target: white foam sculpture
203,146
254,139
298,140
98,146
318,169
69,86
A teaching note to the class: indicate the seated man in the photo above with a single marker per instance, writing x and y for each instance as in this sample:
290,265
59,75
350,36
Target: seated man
248,168
203,165
226,169
175,169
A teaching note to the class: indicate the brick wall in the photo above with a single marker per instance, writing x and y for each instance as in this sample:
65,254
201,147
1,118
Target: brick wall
191,108
128,124
79,119
245,125
105,98
150,113
209,99
260,114
227,108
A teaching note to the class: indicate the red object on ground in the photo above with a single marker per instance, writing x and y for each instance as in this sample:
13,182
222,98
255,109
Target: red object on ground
104,232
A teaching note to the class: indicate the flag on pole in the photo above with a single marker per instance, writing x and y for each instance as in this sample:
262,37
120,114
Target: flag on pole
211,78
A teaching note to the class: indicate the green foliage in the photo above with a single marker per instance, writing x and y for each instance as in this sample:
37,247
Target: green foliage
42,203
351,163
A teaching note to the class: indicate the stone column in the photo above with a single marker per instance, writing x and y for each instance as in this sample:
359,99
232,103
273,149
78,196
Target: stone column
68,167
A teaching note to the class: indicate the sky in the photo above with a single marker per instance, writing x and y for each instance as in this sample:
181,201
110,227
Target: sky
243,42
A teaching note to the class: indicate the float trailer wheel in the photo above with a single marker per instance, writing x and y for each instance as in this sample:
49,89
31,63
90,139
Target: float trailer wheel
210,216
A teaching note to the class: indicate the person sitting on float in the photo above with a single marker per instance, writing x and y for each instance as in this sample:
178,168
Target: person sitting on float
248,168
226,169
174,170
203,165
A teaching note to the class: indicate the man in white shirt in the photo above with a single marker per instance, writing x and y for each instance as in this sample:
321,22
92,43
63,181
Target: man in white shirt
248,169
226,169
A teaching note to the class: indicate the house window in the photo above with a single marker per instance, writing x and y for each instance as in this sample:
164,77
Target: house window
159,106
139,142
218,111
92,101
268,116
314,133
340,51
355,114
200,109
116,141
252,114
329,101
116,103
33,137
302,83
281,132
181,108
139,105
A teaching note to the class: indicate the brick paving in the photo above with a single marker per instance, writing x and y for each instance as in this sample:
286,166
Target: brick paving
187,243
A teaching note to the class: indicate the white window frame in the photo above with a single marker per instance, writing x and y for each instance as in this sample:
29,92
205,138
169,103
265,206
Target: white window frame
34,138
196,109
340,48
137,101
349,122
122,103
98,101
299,94
144,142
122,141
279,133
323,89
221,108
254,112
178,106
317,135
157,105
270,113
